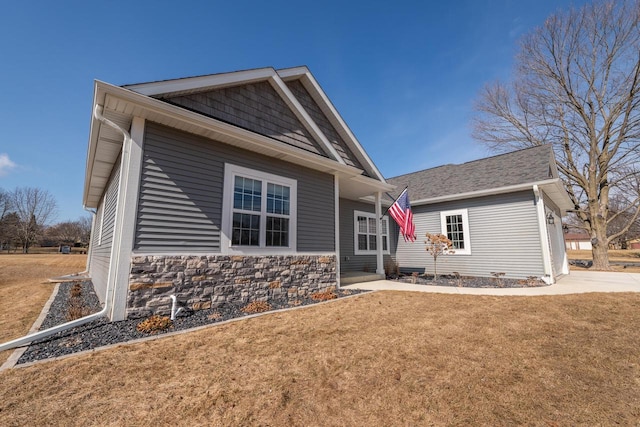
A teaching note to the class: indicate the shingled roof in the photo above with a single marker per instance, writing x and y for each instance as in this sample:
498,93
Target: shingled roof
525,166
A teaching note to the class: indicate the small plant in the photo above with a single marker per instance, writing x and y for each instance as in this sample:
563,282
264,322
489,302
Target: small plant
215,316
414,277
256,307
154,324
498,277
75,310
391,269
458,278
532,280
325,295
438,244
76,290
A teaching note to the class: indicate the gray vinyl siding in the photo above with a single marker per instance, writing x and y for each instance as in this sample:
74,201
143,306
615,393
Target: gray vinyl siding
102,238
348,260
181,191
256,107
323,123
504,237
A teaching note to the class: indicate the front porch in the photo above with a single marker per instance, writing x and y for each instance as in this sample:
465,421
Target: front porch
351,277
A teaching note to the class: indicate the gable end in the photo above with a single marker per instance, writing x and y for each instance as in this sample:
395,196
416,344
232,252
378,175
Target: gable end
255,107
323,123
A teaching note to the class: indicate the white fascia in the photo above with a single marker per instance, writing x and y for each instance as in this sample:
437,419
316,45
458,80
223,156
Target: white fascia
202,82
303,116
310,83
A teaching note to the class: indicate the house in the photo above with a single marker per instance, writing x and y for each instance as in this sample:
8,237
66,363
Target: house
225,187
577,241
633,244
250,186
502,213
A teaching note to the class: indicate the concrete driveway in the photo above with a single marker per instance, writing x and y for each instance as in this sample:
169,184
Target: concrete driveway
575,283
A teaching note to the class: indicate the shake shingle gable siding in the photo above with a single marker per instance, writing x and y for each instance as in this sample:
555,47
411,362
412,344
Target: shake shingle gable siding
323,123
255,107
519,167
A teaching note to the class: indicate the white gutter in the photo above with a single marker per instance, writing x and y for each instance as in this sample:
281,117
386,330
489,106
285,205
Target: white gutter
488,192
18,342
544,239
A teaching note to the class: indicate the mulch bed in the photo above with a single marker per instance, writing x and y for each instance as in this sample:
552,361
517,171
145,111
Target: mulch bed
468,282
101,332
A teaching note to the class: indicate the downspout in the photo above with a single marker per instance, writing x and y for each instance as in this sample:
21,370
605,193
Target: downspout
89,249
544,238
97,113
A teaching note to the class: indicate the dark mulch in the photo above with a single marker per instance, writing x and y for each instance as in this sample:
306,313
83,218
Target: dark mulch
469,282
101,332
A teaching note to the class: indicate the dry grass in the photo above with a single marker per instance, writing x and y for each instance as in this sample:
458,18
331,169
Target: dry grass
387,358
614,255
23,290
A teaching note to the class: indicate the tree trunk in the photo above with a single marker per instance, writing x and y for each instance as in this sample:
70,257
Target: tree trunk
600,245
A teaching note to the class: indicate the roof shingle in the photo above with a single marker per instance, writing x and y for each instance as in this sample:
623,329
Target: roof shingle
518,167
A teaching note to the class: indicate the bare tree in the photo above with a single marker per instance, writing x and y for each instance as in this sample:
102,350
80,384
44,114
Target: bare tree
35,208
576,86
70,232
7,220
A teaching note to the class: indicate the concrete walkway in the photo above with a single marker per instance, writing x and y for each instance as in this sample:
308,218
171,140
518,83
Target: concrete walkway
575,283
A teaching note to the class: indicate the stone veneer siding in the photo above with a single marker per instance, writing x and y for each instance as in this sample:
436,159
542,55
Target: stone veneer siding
202,282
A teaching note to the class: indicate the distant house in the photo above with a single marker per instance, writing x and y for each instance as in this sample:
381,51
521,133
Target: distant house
578,241
633,244
502,213
249,185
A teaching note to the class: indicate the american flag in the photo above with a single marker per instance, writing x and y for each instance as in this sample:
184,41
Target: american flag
400,211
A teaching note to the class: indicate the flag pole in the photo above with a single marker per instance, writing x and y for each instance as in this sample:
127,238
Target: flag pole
394,200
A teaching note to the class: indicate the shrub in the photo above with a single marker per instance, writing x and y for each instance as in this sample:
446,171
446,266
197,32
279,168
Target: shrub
215,316
76,290
75,310
256,307
154,324
438,244
325,295
497,275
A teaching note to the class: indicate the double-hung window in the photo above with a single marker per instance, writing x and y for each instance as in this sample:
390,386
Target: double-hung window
365,236
455,225
259,211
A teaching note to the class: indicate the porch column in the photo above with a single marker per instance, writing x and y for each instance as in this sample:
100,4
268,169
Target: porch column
379,260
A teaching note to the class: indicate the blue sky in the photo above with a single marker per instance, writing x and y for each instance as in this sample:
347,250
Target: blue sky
403,74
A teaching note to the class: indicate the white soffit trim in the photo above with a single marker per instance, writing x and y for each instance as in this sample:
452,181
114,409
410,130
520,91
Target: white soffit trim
303,116
202,82
488,192
316,92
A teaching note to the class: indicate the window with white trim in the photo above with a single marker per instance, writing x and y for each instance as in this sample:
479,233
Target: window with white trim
455,225
259,211
364,232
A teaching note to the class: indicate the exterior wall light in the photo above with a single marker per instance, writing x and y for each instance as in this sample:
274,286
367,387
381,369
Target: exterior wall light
550,219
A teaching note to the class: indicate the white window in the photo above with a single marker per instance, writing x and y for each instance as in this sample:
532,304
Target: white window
364,232
455,225
258,212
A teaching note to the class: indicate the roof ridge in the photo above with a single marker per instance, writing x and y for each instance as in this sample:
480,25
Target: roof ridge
213,74
482,159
